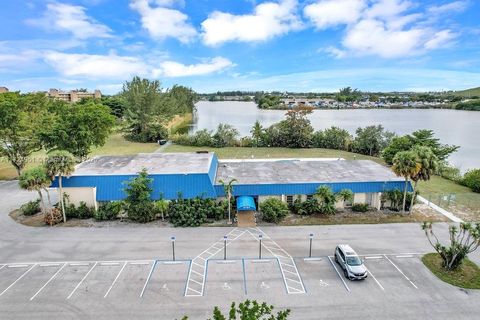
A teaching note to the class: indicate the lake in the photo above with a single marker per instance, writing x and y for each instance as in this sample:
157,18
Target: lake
460,128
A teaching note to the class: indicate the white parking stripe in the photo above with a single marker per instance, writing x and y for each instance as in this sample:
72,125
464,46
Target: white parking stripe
338,273
413,284
148,278
374,257
405,256
81,281
18,265
81,264
18,279
2,267
49,280
115,280
381,287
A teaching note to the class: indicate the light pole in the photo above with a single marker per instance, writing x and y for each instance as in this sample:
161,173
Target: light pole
173,247
311,239
260,247
224,247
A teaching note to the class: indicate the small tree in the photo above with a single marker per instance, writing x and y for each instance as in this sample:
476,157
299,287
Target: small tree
344,195
464,239
250,310
428,164
273,210
61,163
228,189
327,199
405,165
35,179
257,133
138,205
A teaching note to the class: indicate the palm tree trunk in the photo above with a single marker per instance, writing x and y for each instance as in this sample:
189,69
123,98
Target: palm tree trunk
229,208
41,200
405,194
413,196
62,203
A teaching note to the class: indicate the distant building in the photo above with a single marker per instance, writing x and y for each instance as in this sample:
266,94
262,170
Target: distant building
3,89
73,95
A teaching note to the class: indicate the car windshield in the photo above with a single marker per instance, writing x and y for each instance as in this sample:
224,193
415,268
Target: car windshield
354,261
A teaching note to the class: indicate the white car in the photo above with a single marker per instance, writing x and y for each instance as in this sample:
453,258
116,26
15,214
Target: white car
352,265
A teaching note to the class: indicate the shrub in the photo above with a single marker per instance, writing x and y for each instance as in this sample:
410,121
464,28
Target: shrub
194,212
273,210
80,212
108,211
143,211
306,208
326,199
472,180
395,199
449,172
30,208
360,207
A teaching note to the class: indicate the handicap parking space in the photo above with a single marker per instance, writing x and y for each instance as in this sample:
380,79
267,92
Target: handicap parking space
320,278
167,281
226,278
264,278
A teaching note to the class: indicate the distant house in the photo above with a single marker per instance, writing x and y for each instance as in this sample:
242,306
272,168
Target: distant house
3,89
73,96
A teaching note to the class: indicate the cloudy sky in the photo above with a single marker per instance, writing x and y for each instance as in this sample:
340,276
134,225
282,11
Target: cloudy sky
210,45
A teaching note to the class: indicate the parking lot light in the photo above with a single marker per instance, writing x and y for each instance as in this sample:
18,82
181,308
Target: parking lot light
260,247
173,247
225,247
310,251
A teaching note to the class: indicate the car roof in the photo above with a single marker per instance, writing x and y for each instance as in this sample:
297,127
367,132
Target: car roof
347,250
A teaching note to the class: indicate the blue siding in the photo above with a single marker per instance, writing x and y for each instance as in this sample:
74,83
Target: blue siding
111,187
309,188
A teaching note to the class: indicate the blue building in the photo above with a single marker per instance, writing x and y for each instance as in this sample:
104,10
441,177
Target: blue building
201,174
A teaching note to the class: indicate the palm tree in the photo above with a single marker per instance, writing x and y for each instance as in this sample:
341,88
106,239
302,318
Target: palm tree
257,132
405,165
344,195
35,179
60,163
428,163
327,199
228,188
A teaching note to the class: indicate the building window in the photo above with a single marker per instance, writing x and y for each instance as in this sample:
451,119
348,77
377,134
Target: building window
289,200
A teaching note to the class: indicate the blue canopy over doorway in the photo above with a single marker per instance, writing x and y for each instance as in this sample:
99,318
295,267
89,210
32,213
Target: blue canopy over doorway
246,203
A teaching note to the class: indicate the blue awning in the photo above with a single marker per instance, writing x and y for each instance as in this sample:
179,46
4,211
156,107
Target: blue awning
245,203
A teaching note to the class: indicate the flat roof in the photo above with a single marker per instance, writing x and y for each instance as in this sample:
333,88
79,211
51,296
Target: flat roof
304,171
155,163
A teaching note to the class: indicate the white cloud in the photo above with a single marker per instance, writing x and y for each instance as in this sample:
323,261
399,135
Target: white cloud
328,13
440,39
384,28
175,69
162,22
268,20
72,19
95,66
456,6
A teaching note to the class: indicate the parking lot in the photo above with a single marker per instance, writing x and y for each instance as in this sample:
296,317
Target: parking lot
235,269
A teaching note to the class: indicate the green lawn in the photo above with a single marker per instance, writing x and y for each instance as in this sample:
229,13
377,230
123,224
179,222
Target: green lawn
466,276
115,145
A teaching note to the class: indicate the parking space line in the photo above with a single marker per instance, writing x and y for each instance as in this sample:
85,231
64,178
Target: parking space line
338,273
18,279
109,263
18,265
81,281
79,264
244,276
381,287
293,281
49,265
116,278
2,267
405,256
148,278
49,280
191,279
413,284
373,257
